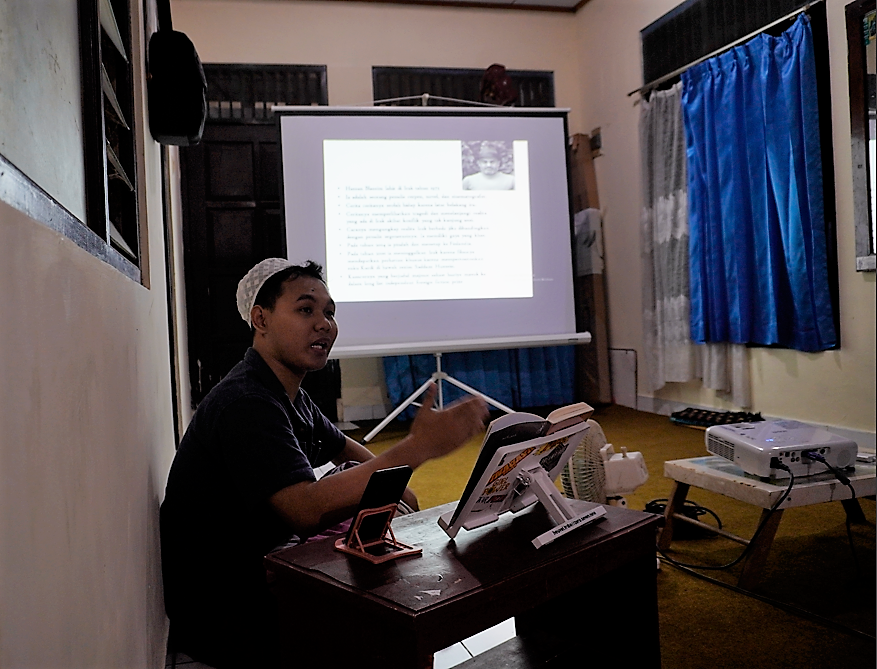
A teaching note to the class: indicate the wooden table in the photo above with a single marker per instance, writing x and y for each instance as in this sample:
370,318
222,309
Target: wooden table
595,587
716,474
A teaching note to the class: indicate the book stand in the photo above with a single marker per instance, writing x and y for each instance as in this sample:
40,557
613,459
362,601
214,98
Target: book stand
384,548
565,519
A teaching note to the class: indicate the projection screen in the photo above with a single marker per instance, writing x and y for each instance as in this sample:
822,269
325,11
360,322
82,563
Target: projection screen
439,229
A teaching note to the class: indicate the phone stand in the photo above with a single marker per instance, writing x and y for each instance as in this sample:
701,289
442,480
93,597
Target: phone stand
382,549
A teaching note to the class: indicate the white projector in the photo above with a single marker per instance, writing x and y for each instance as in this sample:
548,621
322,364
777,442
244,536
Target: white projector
752,446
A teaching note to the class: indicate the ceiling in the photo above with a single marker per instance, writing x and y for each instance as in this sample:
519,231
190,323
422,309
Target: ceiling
531,5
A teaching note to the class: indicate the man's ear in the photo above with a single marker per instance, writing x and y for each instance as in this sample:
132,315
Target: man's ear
258,316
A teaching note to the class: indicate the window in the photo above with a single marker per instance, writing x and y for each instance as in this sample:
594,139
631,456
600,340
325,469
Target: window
861,45
112,211
242,94
700,27
535,88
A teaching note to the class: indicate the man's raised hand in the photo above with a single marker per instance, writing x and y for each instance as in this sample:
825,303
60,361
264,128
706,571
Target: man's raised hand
439,432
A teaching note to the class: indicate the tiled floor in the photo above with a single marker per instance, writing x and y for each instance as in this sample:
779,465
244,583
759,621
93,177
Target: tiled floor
444,659
474,645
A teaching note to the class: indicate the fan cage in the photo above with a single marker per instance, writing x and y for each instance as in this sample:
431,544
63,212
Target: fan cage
584,476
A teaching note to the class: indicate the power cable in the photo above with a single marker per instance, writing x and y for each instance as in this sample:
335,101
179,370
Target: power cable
775,463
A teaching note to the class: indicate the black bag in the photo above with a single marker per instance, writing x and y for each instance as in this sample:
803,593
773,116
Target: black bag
175,85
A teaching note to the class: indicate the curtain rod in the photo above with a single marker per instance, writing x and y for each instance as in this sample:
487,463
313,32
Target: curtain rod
660,80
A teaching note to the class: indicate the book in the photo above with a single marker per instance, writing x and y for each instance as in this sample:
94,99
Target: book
569,415
519,426
515,442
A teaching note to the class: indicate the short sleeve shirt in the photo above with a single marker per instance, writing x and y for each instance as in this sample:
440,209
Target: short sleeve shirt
246,441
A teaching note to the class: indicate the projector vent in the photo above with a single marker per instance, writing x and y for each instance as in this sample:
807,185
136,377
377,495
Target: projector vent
720,447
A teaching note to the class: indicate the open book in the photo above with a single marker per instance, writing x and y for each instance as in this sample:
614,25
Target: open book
513,443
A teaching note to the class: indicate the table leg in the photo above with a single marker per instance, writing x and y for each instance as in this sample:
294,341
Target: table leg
758,549
674,505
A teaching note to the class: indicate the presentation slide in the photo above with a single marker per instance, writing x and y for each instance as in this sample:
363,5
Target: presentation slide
393,233
433,224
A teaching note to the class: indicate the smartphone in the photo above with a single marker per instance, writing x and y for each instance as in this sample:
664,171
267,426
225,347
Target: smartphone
385,486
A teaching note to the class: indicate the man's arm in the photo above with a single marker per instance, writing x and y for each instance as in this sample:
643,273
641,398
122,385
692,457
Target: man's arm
310,506
355,451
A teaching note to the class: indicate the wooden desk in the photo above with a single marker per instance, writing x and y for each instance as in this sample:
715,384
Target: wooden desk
719,475
595,587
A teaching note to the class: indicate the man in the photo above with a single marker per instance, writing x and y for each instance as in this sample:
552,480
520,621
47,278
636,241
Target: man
489,176
242,481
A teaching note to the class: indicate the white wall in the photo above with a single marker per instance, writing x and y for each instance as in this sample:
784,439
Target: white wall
595,55
350,38
40,107
86,432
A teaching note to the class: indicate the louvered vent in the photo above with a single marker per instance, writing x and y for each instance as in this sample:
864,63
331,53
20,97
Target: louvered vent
535,87
246,93
699,27
721,447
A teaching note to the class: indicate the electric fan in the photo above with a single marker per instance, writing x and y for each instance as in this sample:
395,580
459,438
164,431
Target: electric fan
584,476
595,473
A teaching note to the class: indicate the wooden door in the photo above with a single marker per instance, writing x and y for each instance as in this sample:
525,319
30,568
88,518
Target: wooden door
231,213
232,220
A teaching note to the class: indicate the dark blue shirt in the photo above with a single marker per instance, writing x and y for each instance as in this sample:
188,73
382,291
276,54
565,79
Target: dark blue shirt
246,442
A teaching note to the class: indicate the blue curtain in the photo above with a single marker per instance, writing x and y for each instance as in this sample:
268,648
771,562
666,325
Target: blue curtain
758,257
518,378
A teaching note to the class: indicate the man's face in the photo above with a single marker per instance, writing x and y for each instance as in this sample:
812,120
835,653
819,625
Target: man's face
301,329
488,165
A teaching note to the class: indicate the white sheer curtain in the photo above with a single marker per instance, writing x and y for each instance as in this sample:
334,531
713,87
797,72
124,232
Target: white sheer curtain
670,355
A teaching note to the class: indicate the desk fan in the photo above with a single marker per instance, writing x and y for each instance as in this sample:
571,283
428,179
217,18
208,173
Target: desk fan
596,473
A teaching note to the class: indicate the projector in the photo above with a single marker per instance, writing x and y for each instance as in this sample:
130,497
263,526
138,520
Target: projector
752,446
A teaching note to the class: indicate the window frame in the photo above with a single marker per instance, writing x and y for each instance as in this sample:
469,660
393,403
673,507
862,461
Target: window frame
855,13
102,202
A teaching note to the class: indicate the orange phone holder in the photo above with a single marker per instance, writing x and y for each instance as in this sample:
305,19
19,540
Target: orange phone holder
378,550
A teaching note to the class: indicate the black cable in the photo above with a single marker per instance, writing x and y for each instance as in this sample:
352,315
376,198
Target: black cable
776,464
843,478
658,506
852,546
838,474
790,608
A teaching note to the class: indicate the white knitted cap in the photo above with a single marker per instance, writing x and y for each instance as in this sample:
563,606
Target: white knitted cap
252,283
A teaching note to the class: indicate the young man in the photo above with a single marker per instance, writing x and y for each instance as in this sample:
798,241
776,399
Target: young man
242,481
489,176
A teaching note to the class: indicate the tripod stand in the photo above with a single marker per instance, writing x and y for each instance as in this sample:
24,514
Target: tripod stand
437,377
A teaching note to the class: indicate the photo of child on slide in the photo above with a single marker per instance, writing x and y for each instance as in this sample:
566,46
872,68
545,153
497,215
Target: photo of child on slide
488,165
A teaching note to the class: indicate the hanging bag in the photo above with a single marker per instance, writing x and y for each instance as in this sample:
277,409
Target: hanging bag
175,84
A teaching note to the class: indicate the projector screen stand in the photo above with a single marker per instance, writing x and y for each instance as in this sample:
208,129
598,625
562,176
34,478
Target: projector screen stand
437,377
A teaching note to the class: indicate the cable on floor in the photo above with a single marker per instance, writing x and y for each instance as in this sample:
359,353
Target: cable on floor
777,465
690,508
